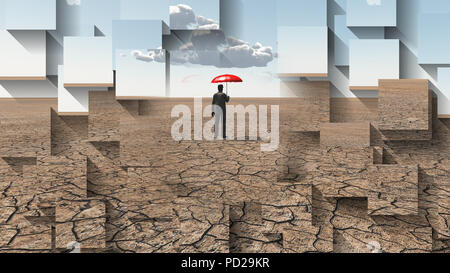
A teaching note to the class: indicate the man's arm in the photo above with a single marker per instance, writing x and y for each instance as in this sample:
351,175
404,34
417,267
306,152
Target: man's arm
227,98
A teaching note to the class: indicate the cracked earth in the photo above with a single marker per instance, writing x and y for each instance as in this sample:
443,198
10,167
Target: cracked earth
116,181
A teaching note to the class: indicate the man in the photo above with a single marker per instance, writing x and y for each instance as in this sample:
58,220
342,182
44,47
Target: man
220,112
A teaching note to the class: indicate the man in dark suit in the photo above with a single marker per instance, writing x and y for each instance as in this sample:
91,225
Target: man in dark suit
219,104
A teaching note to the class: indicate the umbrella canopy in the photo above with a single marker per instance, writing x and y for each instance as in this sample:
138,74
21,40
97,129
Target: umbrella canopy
226,78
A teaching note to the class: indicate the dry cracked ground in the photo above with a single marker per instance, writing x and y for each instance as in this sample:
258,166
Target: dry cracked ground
116,181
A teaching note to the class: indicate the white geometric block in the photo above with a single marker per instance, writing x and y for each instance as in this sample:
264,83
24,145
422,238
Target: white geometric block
344,34
137,34
144,10
302,13
434,38
372,13
71,100
141,73
23,54
371,60
303,51
28,14
88,62
444,94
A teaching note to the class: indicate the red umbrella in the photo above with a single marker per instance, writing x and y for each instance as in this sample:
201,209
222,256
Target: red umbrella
226,78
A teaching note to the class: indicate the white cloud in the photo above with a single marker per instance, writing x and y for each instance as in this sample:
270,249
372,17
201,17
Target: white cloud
205,23
246,56
208,45
234,42
232,53
73,2
373,2
210,26
152,55
142,56
183,17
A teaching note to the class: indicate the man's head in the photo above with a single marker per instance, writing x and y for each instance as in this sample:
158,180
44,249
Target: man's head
220,88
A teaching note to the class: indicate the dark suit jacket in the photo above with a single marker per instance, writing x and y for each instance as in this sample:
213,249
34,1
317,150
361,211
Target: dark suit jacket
221,100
